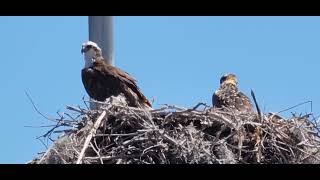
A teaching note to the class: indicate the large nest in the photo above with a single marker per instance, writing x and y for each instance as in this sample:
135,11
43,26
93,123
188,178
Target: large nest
116,133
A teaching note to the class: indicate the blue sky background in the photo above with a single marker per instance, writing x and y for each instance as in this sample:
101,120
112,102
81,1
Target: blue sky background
176,60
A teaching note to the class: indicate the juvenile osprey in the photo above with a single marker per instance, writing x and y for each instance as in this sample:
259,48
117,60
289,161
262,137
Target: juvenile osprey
229,97
102,80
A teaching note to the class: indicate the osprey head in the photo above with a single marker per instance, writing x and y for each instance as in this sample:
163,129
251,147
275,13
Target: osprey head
91,51
229,78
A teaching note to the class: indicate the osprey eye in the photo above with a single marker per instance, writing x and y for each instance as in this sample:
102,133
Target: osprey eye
89,46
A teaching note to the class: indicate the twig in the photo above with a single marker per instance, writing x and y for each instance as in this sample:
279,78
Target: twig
79,110
89,137
244,150
118,135
85,103
145,150
174,107
170,139
257,106
230,123
296,106
40,126
96,151
43,156
199,104
36,109
102,158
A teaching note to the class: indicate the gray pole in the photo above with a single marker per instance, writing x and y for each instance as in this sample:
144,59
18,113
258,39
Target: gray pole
101,32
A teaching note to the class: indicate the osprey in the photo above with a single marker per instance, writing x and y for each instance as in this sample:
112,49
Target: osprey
229,97
102,80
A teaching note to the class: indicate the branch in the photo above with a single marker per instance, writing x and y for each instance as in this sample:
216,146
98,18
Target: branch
257,106
35,107
297,106
89,137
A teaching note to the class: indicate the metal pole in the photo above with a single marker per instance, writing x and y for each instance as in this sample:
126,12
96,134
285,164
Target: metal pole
101,32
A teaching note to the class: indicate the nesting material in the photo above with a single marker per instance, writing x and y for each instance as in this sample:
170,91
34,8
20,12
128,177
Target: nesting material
118,134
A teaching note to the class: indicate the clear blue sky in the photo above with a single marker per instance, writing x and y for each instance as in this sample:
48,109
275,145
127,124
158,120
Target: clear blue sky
176,60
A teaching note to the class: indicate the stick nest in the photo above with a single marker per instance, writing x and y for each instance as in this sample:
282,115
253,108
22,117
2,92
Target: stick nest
118,134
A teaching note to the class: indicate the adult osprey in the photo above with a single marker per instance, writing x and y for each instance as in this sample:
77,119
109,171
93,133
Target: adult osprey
229,97
102,80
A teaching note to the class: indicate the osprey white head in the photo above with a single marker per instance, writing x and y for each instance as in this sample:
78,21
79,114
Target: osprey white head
90,50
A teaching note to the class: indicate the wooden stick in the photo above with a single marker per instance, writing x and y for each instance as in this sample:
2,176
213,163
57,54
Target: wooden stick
89,137
257,106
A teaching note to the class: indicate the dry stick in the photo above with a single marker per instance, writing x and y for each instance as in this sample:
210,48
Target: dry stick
244,150
169,139
257,106
240,143
298,149
139,117
198,105
59,124
129,134
226,120
76,109
44,156
37,110
296,106
89,137
42,142
85,103
97,152
44,126
283,157
64,161
102,157
174,107
144,151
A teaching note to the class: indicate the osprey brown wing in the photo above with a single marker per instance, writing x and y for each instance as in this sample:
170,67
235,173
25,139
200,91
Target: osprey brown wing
243,102
106,80
98,86
129,81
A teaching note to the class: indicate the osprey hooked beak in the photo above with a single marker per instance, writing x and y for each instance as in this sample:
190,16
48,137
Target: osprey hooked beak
82,49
